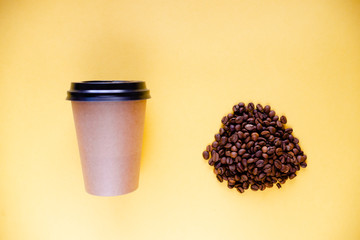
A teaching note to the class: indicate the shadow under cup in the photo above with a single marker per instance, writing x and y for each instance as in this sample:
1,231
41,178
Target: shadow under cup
109,121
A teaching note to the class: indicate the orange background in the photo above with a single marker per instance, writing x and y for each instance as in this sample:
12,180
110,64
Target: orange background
198,58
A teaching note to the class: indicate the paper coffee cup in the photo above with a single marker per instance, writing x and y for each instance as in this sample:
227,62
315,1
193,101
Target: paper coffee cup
109,121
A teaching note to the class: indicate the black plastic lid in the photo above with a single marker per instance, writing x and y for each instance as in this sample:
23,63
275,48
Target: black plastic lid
108,90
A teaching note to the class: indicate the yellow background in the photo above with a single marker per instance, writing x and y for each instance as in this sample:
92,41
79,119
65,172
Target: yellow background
198,58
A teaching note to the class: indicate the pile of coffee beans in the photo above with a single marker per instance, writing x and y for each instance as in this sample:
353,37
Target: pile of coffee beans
253,149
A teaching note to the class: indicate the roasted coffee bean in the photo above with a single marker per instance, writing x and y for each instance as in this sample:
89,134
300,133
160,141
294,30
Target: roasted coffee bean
217,137
236,108
289,147
231,181
224,120
233,154
291,138
254,148
289,130
239,119
244,162
241,152
223,140
295,151
250,106
218,165
211,162
267,171
216,157
258,153
264,149
221,131
260,163
249,144
251,120
272,114
267,109
243,178
285,136
264,133
262,176
277,164
285,168
239,168
228,145
283,120
233,149
254,187
250,160
292,175
254,136
267,166
240,189
272,130
271,151
259,107
250,127
206,155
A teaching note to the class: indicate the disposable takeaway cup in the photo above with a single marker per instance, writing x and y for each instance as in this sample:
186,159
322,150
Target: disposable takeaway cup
109,122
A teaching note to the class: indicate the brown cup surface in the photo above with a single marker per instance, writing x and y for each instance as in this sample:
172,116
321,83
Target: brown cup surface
110,140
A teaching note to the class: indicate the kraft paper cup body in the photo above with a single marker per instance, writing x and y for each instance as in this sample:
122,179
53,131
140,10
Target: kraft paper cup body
109,134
